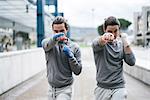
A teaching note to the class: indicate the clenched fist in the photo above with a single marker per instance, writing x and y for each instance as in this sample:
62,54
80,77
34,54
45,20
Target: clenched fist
125,40
106,37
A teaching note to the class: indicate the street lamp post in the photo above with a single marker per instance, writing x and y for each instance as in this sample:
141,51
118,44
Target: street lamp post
40,22
93,23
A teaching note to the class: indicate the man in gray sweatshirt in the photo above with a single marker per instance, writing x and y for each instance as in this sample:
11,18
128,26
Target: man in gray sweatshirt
110,50
63,58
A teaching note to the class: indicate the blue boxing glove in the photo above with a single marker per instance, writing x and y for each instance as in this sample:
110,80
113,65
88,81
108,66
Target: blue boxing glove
57,35
68,51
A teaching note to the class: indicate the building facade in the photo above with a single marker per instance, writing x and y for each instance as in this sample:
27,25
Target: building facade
142,26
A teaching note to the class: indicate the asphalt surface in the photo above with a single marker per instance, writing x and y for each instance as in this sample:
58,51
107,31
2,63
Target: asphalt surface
36,88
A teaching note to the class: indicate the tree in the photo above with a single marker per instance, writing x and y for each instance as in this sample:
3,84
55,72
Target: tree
124,24
100,30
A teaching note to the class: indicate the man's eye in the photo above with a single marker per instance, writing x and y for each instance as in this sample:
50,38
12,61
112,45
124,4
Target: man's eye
115,31
62,30
109,31
55,31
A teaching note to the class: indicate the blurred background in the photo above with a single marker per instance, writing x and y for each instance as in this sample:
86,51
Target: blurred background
24,23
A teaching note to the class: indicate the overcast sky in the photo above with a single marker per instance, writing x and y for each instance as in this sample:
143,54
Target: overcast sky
87,13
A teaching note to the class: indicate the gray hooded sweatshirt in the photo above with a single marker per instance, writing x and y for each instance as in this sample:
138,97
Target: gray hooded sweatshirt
59,66
109,63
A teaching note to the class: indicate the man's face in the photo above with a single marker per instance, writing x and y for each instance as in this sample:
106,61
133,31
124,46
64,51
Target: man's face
114,29
57,28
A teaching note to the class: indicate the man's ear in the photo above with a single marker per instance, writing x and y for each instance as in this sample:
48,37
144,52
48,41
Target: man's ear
119,34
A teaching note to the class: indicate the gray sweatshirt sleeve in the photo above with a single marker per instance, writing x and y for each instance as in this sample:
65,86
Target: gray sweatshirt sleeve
48,43
75,62
96,45
130,59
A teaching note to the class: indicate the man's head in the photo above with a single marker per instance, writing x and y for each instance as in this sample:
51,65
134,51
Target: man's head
60,25
112,25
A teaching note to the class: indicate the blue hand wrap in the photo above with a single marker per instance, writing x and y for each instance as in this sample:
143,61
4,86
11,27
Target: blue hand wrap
68,51
57,35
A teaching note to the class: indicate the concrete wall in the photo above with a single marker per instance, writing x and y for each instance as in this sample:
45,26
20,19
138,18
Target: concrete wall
139,71
18,66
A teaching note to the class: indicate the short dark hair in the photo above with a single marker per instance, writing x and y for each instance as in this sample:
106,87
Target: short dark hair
111,21
60,20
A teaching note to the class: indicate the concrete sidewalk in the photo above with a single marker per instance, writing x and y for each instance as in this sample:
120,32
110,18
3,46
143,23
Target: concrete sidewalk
36,88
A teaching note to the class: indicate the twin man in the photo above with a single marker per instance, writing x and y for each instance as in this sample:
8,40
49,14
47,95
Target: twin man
63,58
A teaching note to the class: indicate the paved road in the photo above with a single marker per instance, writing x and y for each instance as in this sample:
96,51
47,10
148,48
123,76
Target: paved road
37,87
